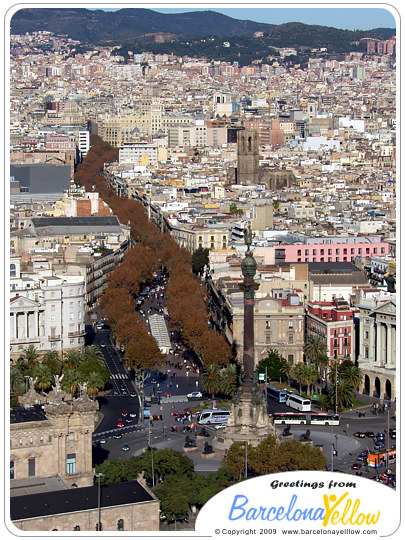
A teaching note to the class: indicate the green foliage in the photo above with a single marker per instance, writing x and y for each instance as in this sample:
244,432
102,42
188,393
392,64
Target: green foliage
270,456
275,364
199,259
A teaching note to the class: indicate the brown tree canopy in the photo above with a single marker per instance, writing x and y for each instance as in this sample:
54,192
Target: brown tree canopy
142,351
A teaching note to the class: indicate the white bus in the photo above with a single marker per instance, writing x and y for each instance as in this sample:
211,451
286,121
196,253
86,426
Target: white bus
215,416
299,403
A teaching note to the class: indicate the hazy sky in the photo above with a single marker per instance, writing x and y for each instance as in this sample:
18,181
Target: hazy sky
345,16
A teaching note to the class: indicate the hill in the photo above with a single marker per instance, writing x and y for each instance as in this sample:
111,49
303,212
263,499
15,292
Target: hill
126,24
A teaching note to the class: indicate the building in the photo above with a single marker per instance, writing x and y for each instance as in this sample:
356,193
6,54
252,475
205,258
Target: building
333,322
377,345
38,182
124,506
46,310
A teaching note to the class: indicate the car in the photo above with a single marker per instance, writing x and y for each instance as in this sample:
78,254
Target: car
102,344
380,436
133,414
120,422
356,466
133,394
99,326
103,439
393,433
379,445
124,413
220,426
128,420
359,434
194,395
125,447
117,435
369,434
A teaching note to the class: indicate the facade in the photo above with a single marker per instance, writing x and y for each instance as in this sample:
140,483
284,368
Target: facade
330,252
248,157
52,439
46,310
278,319
333,322
377,346
139,153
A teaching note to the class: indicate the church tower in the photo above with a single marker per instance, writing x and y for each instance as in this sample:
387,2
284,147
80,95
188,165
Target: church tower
248,157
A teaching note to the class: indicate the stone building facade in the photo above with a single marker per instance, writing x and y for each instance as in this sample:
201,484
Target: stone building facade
53,438
377,347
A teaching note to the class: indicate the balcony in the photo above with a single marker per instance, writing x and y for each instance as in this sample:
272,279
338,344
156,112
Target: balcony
55,337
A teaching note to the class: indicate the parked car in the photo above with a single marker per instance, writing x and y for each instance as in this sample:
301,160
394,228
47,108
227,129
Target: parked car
370,434
359,434
124,413
117,435
120,422
103,439
102,344
356,466
133,414
125,447
393,433
379,445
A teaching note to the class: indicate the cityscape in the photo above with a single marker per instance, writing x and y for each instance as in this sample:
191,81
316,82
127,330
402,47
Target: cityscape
202,261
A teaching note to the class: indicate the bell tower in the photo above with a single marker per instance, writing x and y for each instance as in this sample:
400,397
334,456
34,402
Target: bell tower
248,157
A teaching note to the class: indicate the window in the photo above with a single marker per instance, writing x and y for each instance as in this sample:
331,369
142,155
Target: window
366,334
344,251
307,252
268,323
13,271
290,324
31,466
352,251
267,339
365,352
12,470
71,464
383,249
337,251
291,358
290,338
120,525
76,528
329,252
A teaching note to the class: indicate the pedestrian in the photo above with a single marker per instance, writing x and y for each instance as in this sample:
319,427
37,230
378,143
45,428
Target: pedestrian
161,418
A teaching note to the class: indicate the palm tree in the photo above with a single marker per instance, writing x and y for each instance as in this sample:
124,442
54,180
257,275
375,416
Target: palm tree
73,359
95,383
53,361
31,355
43,374
229,379
71,379
17,382
315,351
345,395
288,368
211,379
351,373
299,373
93,353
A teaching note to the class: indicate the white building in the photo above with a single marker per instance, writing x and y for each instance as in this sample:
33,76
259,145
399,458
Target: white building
139,153
46,310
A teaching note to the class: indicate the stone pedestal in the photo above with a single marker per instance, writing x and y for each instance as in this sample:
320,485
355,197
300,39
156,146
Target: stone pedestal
248,422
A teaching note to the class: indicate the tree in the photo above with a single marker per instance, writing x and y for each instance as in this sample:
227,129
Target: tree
315,350
95,382
275,364
229,380
71,380
44,377
53,361
345,395
299,374
115,470
31,355
271,456
93,353
211,379
199,259
72,358
351,373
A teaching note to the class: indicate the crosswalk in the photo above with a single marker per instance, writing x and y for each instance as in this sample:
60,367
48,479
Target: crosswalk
121,376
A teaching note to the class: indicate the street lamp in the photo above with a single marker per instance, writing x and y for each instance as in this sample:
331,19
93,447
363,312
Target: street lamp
99,475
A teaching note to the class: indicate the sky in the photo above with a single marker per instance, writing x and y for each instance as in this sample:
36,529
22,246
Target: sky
350,16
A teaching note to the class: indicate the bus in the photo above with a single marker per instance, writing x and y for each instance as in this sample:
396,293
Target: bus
379,459
307,418
276,393
215,416
298,402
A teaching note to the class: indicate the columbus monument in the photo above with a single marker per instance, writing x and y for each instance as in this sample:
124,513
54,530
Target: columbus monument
248,421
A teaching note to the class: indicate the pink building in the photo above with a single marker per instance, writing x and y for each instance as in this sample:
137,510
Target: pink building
329,252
